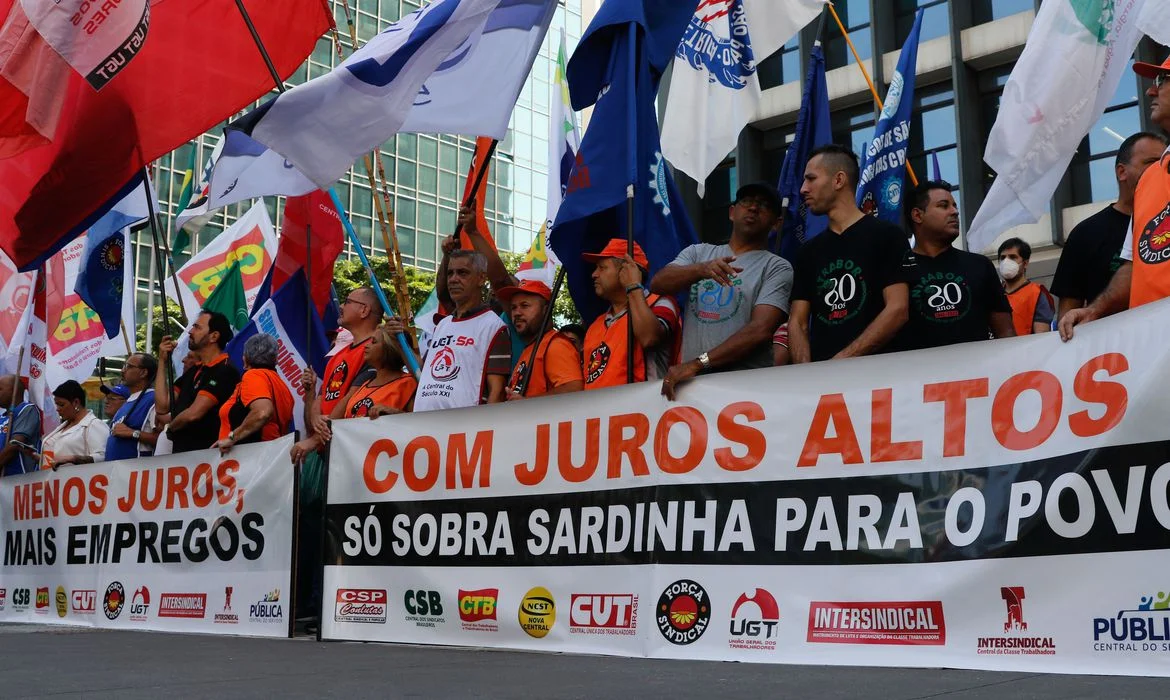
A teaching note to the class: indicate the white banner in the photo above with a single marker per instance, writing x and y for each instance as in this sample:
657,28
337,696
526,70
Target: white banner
999,505
182,543
97,38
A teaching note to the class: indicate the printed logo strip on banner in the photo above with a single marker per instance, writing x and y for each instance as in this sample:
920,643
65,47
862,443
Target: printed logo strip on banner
912,623
1016,639
1141,629
603,613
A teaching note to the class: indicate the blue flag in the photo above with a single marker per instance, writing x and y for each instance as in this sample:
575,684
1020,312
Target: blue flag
935,170
813,130
290,317
100,280
618,65
883,165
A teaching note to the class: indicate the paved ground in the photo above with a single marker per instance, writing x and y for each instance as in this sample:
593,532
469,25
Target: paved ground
51,663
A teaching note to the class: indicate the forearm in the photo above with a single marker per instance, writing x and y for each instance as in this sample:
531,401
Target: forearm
496,387
149,439
879,332
7,454
253,422
441,285
1068,304
569,387
739,345
799,350
648,329
1115,298
498,274
1001,325
312,413
673,279
162,396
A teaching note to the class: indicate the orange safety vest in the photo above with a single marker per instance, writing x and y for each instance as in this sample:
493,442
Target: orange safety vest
538,382
396,393
1151,236
605,352
1023,302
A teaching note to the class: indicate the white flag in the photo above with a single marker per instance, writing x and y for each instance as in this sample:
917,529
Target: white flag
1058,89
324,125
1154,22
97,38
473,90
714,87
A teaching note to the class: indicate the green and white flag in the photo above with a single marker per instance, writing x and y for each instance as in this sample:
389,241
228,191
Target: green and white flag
1072,64
193,204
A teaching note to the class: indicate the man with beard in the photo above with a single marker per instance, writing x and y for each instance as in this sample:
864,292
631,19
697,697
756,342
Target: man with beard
737,293
850,296
556,368
192,411
955,296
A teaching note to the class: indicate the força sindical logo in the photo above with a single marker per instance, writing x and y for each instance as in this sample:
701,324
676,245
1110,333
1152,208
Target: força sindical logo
684,612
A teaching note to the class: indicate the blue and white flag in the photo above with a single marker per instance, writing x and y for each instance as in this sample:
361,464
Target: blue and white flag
883,165
473,90
289,317
101,278
247,169
813,129
618,64
324,125
714,88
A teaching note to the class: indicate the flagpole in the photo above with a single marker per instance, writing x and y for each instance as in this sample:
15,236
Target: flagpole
126,338
479,175
632,150
522,387
869,81
170,369
411,360
309,283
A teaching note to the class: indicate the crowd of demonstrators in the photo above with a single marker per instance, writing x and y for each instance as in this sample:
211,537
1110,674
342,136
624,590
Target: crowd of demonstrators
21,427
556,364
955,296
261,407
1141,277
80,438
737,294
133,431
851,292
1033,309
190,411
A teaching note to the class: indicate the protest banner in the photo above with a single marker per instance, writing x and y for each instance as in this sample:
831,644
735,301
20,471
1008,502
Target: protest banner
181,543
999,505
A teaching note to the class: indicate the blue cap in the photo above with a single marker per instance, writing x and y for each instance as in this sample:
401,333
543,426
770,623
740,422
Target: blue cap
119,390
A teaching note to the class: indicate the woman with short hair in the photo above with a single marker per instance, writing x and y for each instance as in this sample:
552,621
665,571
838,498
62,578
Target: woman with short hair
81,437
261,408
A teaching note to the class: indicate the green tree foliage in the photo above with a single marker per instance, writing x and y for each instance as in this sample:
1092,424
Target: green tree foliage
160,326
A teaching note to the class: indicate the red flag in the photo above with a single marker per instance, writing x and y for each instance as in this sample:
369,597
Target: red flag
482,145
314,209
197,67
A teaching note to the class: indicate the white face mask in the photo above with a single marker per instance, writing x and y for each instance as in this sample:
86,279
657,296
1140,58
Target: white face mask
1009,269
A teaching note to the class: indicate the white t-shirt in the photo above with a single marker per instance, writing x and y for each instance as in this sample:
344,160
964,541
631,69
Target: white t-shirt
1127,247
87,438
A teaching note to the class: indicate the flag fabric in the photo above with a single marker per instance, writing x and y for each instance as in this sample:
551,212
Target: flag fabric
424,317
935,170
194,209
618,64
299,336
324,125
103,139
564,139
101,280
481,161
883,164
472,92
39,74
309,215
34,338
1154,21
1042,118
228,298
714,87
813,129
97,39
540,262
246,169
16,289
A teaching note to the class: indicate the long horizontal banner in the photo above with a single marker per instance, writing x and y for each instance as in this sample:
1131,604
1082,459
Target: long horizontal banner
999,505
183,543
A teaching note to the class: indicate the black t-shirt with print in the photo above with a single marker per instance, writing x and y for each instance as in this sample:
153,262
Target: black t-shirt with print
843,276
1091,255
217,379
952,297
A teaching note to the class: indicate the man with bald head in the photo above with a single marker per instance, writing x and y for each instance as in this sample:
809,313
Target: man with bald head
21,425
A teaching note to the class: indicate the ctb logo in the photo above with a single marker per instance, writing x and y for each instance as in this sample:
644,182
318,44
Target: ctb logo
477,609
43,600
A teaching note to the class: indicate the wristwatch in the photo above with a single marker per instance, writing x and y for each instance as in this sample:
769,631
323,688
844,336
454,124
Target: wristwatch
137,434
232,435
632,287
704,360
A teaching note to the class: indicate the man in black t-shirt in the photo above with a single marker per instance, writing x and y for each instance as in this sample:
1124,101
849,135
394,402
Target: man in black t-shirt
192,410
955,296
1092,252
850,294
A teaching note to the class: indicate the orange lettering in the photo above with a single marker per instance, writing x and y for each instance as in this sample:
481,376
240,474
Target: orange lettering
373,482
631,446
749,437
1110,394
531,476
831,409
696,448
882,448
177,482
74,503
954,396
1003,422
97,487
570,472
430,477
202,478
459,461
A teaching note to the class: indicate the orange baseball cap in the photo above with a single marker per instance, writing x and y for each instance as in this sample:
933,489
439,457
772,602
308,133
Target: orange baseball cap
536,287
619,248
1149,70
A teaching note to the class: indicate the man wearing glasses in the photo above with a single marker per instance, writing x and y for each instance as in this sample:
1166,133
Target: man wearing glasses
132,430
1144,275
737,293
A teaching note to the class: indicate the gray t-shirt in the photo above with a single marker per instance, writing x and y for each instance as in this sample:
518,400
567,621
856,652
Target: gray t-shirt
714,313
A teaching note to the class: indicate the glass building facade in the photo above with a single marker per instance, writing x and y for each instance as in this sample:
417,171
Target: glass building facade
425,172
966,53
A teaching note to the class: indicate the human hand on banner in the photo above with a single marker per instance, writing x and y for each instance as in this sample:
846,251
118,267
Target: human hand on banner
378,410
514,396
629,273
224,446
322,428
721,270
679,374
309,381
1072,318
302,449
165,347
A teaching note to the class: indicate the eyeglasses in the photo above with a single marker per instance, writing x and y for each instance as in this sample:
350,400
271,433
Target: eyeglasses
753,203
1160,79
130,366
349,300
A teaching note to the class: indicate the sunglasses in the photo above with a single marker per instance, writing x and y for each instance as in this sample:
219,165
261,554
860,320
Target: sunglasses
1160,79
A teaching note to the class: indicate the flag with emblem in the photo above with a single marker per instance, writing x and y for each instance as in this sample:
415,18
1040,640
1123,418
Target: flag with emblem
194,205
617,68
1048,105
813,129
714,87
101,280
883,164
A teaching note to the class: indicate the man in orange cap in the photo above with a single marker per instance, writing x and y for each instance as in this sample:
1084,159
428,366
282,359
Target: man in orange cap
556,368
618,279
1144,275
